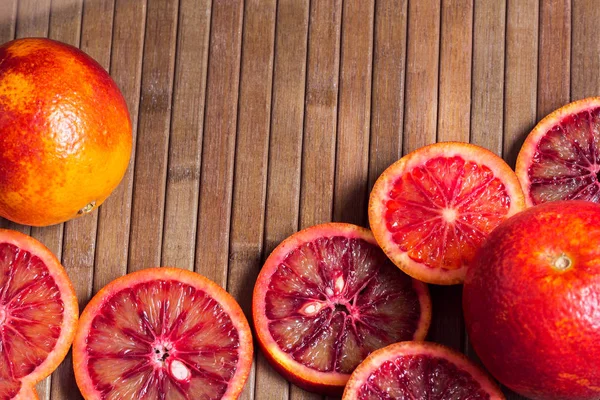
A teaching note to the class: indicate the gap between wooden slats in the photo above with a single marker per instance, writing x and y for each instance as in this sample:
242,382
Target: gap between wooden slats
251,158
585,64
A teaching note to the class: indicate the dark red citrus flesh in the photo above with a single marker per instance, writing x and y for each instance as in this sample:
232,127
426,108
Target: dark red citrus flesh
420,377
334,300
31,314
566,162
162,339
440,212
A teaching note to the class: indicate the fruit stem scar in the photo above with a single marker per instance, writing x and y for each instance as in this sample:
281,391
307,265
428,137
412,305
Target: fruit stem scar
88,207
562,263
179,371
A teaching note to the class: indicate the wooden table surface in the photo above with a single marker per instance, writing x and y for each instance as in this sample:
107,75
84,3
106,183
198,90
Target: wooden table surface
255,119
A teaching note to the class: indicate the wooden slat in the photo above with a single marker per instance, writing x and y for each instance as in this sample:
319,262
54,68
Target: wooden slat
453,124
354,115
521,75
33,18
389,63
422,59
114,214
456,44
219,141
153,135
285,146
8,19
489,22
320,115
185,145
554,56
65,26
252,147
585,80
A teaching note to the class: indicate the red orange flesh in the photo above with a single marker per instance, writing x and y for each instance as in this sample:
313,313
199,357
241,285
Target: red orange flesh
419,370
532,302
560,159
162,333
38,314
327,297
432,209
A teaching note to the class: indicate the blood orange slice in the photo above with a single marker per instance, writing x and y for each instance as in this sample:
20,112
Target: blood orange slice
560,159
328,296
162,333
419,370
432,209
38,314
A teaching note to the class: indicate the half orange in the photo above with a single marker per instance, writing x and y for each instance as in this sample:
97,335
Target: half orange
162,333
328,296
560,159
38,314
432,209
419,370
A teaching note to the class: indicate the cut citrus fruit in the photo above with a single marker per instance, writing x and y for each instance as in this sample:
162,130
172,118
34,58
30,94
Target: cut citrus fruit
419,370
38,314
328,296
560,159
162,333
432,209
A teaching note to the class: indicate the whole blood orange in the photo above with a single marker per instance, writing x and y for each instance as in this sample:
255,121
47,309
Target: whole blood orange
560,159
162,333
66,132
432,209
419,370
38,314
531,301
328,296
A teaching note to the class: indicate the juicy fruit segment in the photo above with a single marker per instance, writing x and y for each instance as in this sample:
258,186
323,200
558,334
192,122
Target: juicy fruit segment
432,210
560,160
328,300
36,325
440,212
163,338
413,370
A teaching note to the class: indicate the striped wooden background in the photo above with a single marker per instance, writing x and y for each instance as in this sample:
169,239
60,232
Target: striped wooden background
254,119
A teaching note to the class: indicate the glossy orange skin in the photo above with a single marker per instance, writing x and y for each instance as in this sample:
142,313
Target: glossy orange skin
536,327
65,132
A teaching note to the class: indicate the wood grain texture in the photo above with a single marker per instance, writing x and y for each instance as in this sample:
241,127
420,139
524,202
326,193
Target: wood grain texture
387,103
65,21
251,157
456,46
112,243
585,80
487,96
285,149
321,111
554,55
354,114
219,141
422,59
33,17
521,75
185,143
153,135
8,19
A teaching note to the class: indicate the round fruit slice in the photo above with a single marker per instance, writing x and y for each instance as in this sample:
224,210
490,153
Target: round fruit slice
162,333
38,314
327,297
432,209
419,370
560,159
